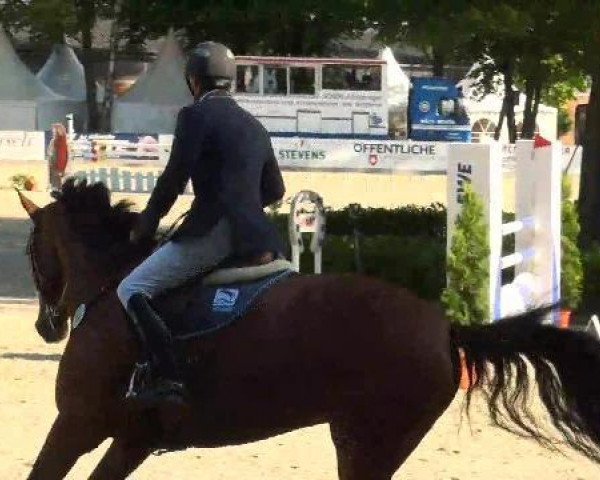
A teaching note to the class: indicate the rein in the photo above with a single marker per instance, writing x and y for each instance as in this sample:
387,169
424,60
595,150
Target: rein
164,238
51,310
38,279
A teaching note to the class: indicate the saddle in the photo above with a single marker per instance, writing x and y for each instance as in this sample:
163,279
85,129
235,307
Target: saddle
210,302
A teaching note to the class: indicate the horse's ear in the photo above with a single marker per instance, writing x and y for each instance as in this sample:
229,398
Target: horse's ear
28,205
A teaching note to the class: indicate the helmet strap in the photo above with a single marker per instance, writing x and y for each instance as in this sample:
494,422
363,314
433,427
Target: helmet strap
187,81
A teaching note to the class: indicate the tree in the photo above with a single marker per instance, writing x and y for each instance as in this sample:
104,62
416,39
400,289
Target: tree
436,27
466,298
294,27
582,50
563,84
498,35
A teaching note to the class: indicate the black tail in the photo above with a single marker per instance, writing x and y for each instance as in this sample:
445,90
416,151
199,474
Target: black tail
565,365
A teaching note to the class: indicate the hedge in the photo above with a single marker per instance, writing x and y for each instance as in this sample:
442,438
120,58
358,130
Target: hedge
406,246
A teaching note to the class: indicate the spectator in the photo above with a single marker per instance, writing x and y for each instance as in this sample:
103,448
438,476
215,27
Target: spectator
58,155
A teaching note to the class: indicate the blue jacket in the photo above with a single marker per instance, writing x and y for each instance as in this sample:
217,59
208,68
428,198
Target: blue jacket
227,153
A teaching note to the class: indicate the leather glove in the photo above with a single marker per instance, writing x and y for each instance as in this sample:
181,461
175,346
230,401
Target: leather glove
145,227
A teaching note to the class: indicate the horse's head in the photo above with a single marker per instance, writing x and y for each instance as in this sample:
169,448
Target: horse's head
47,270
78,246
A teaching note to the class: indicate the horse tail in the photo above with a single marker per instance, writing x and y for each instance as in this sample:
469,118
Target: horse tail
565,364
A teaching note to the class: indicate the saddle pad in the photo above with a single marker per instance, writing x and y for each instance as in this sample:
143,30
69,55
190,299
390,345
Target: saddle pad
220,305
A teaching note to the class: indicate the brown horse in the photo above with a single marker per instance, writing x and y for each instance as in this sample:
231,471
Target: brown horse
374,361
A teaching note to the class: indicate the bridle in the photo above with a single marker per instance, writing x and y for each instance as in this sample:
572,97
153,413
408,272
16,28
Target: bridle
44,285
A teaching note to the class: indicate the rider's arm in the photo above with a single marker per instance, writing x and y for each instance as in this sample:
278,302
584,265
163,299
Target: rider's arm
174,178
272,188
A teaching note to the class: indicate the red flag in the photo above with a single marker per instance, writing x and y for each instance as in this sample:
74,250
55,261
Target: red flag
539,142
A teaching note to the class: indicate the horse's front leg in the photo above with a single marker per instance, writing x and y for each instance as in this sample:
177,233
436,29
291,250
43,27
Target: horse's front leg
121,459
69,438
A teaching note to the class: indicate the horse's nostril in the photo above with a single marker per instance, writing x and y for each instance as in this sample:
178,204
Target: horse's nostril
42,330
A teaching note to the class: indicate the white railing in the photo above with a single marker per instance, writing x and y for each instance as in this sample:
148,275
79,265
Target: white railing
124,181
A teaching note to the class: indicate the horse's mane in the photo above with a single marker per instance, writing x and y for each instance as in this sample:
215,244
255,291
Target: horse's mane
102,227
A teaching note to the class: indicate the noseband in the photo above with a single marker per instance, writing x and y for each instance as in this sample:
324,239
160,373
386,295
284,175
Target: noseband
44,285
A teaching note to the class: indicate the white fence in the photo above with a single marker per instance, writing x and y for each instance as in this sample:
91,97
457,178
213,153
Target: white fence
313,154
122,180
537,225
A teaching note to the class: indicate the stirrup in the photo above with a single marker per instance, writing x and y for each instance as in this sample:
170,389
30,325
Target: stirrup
151,391
140,379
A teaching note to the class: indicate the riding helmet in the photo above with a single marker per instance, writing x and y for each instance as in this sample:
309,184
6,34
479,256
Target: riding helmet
212,63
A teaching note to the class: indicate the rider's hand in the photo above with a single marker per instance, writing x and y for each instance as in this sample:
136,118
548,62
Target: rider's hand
144,227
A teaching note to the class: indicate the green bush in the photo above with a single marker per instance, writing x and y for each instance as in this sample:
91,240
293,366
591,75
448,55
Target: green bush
417,263
406,221
571,278
411,220
405,246
466,299
411,262
19,180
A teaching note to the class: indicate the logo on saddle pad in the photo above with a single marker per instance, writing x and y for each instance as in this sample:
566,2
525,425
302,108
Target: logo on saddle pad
225,299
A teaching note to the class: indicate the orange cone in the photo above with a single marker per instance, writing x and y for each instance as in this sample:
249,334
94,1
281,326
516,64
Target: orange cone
465,381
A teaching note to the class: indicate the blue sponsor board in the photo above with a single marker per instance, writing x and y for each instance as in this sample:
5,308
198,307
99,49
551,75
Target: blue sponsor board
436,111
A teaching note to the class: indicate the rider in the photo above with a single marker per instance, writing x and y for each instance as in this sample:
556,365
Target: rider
228,155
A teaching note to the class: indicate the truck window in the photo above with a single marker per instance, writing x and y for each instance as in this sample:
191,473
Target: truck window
247,79
446,107
302,80
275,80
352,77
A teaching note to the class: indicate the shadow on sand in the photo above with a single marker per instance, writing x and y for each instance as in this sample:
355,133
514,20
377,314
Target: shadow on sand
15,278
33,357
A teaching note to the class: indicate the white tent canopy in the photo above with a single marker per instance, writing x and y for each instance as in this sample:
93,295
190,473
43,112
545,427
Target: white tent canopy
64,74
152,103
26,103
398,83
485,111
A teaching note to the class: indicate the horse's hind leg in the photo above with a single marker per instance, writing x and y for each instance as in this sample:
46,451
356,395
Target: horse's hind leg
121,459
68,439
374,449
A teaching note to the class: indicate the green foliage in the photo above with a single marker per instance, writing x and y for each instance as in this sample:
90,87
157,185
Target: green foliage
405,246
408,221
416,263
436,27
294,27
50,20
466,299
564,85
571,280
564,122
47,21
18,180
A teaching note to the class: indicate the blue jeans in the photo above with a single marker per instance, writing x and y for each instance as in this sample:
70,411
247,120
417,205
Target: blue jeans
177,262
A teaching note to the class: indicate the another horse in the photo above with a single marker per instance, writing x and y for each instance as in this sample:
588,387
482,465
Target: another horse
374,361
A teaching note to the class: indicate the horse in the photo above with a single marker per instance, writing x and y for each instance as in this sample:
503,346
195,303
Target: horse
338,349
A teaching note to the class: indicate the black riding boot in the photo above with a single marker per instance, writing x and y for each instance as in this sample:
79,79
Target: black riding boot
167,385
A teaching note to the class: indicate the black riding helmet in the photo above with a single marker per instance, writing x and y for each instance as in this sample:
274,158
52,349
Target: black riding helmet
213,64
